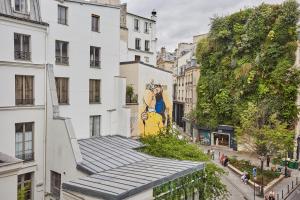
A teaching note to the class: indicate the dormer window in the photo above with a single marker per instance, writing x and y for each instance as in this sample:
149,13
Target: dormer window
21,6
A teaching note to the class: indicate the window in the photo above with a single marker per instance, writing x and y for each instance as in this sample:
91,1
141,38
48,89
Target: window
137,43
62,15
25,185
94,91
61,52
55,182
21,6
147,45
136,25
62,89
137,58
24,90
95,23
146,59
146,27
24,141
22,46
95,122
95,57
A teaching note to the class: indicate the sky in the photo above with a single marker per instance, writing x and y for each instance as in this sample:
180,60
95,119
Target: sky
179,20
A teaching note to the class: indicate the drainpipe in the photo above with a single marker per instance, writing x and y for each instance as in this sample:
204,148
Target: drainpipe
46,113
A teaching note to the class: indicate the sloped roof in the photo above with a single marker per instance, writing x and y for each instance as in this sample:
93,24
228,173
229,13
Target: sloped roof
118,171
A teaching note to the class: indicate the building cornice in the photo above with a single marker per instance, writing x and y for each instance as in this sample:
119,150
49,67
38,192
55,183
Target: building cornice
21,64
34,107
141,51
93,3
139,62
24,20
138,16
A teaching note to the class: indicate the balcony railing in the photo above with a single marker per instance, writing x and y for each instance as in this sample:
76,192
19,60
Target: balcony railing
22,55
147,49
95,63
26,156
62,60
24,101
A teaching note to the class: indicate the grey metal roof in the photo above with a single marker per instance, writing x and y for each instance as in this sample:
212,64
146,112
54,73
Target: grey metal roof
118,171
34,16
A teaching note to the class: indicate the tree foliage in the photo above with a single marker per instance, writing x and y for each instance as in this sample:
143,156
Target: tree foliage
248,57
168,145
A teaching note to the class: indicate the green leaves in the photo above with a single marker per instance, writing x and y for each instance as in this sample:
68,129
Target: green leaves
167,145
249,57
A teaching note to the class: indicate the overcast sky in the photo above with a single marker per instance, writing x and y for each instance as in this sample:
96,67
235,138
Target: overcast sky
179,20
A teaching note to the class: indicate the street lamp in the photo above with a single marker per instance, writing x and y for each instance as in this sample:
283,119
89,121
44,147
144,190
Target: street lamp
262,159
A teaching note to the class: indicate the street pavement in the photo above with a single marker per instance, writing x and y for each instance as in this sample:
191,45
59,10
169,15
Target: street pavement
238,190
295,195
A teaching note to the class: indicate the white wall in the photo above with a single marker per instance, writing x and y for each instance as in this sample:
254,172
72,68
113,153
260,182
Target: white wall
11,114
132,35
80,37
8,185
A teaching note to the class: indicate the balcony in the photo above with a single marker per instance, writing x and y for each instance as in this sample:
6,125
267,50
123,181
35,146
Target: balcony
22,55
62,60
147,49
26,156
24,101
95,64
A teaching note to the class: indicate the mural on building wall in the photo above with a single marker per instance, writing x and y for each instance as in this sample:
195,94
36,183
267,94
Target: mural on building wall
156,111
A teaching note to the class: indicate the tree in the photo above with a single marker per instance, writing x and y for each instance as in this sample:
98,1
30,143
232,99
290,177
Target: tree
168,145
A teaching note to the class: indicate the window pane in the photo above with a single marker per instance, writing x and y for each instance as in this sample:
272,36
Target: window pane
26,41
65,49
17,42
17,5
57,48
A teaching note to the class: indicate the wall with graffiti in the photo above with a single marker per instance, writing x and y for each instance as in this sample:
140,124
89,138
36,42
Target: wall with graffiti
155,109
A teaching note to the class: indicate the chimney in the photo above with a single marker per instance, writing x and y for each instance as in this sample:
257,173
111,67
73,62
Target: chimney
153,15
123,13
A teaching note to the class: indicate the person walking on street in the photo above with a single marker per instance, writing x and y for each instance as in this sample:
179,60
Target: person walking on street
213,154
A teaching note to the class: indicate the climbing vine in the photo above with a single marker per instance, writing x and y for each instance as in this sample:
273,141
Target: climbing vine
248,58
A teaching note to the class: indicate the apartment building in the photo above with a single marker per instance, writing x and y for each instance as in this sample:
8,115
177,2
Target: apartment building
65,126
138,37
166,60
186,75
22,102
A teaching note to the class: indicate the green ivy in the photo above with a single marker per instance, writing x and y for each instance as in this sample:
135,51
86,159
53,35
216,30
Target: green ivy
248,57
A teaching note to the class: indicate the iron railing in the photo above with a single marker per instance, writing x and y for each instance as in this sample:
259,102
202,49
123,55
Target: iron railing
62,60
22,55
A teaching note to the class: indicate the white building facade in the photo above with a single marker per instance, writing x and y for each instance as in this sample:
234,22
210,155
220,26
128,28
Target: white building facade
138,37
22,102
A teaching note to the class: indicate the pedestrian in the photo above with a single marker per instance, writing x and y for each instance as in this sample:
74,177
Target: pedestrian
222,159
226,160
213,154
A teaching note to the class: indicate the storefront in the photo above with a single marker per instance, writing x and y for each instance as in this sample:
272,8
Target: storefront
224,136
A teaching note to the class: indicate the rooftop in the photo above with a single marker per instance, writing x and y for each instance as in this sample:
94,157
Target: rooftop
8,160
117,170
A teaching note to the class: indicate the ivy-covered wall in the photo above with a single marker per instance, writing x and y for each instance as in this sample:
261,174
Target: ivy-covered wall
249,57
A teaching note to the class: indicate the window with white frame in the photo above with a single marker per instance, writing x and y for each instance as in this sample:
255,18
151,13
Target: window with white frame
94,91
24,90
61,52
62,88
21,6
136,25
62,17
137,43
95,23
95,125
24,141
146,27
25,186
147,45
95,57
22,46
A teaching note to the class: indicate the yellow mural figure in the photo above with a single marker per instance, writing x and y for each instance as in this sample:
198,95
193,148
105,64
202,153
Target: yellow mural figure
156,111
